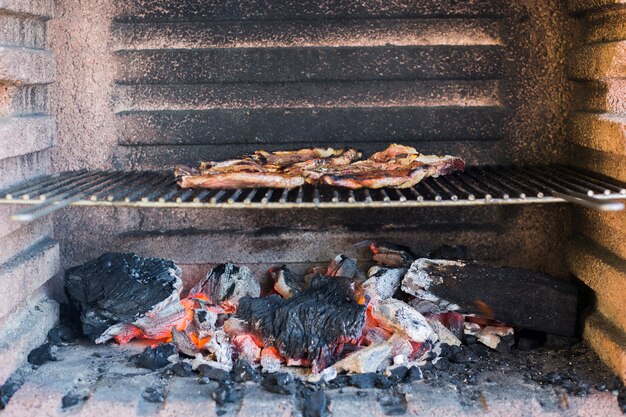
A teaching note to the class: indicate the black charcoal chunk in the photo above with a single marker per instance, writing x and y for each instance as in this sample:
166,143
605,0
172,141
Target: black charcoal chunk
244,372
226,392
279,383
621,400
383,382
182,369
62,334
41,355
398,373
156,358
8,389
120,288
315,404
340,381
343,266
309,326
286,283
414,374
214,373
70,400
393,403
442,364
462,355
365,380
154,394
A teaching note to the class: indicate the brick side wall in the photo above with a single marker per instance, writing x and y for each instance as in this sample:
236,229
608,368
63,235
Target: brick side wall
28,255
597,129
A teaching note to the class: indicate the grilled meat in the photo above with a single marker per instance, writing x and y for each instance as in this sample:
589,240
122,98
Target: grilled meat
397,166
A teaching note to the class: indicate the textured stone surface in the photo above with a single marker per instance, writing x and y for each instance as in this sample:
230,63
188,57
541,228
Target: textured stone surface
605,273
26,272
26,329
38,8
113,386
597,255
608,341
24,135
26,66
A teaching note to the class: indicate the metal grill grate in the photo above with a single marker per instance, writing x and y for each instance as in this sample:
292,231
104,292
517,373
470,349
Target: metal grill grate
475,186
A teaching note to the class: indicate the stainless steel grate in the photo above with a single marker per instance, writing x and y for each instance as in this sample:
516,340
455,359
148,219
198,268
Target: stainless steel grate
475,186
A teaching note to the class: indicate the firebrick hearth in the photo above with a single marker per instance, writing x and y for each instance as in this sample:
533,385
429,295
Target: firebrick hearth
494,285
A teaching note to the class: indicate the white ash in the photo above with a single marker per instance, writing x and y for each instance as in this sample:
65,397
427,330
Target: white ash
201,360
234,326
420,278
326,375
220,347
183,342
443,333
368,359
397,316
228,283
382,283
271,361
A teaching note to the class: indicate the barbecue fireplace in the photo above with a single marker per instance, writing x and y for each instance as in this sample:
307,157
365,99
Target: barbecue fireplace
100,100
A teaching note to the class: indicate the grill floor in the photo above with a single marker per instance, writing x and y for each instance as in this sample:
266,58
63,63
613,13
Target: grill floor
115,387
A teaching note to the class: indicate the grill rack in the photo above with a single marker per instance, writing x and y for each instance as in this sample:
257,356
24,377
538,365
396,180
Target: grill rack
483,185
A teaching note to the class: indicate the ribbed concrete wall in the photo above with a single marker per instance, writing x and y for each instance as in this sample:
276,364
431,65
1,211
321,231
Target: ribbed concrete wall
29,257
597,128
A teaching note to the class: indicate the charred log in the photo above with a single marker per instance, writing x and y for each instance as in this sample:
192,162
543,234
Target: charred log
122,295
392,256
311,326
515,296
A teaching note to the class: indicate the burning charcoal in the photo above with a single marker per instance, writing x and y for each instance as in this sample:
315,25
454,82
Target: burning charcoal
549,304
226,392
397,316
286,283
157,357
342,266
393,403
315,404
234,326
214,373
123,296
204,322
182,369
392,256
246,348
270,360
375,335
154,394
42,354
364,380
220,347
382,283
311,326
498,338
444,335
452,253
400,345
226,284
368,359
183,343
243,372
279,383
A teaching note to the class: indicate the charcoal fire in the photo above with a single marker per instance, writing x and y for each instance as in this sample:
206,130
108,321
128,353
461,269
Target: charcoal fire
122,296
312,326
226,284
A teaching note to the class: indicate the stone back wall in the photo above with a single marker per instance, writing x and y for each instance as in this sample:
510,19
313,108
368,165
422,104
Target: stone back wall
29,256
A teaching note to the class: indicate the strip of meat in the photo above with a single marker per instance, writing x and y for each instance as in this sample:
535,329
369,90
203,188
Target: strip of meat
285,159
233,180
403,173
